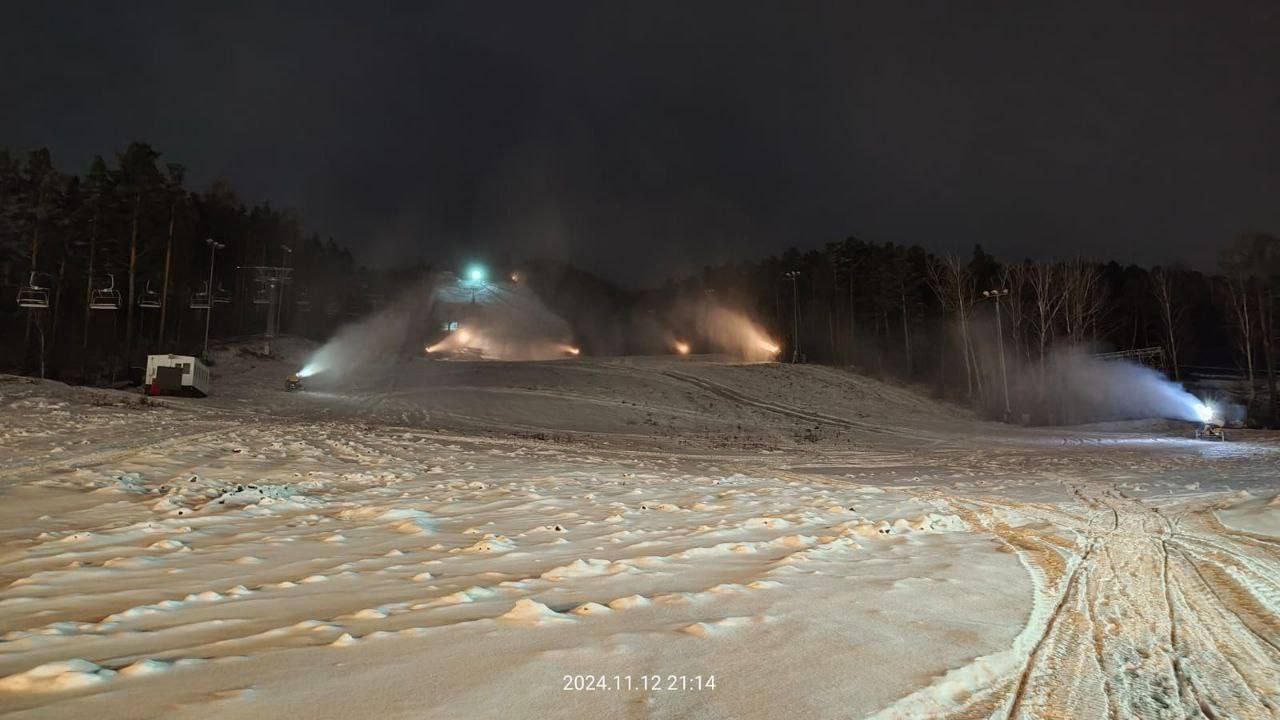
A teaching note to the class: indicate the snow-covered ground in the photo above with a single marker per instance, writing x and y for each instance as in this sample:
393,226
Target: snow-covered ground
452,539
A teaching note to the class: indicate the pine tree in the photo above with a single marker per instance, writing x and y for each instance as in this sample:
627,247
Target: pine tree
138,181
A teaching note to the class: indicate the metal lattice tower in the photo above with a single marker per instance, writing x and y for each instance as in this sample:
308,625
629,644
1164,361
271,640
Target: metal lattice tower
271,281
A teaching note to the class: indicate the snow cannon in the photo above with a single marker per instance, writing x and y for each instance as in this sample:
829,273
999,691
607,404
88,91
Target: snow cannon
293,382
1209,431
1211,423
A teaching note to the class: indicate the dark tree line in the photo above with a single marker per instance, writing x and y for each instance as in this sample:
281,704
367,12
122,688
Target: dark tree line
130,227
907,314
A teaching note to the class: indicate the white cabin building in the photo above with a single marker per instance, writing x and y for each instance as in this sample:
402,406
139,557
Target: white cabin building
177,375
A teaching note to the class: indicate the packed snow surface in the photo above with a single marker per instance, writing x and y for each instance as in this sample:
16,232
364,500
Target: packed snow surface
613,538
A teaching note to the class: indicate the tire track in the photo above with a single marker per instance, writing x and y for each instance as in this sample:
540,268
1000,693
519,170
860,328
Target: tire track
115,452
795,413
1151,615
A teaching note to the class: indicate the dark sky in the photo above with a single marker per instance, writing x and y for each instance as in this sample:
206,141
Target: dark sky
639,138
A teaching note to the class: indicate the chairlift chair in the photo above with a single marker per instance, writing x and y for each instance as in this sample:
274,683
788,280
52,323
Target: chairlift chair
105,298
32,295
221,297
149,298
262,296
200,299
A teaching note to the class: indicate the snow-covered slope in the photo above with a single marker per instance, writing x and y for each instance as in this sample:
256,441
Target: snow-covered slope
701,401
518,540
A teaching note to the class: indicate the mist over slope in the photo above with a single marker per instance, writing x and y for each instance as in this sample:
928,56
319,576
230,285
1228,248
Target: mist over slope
662,399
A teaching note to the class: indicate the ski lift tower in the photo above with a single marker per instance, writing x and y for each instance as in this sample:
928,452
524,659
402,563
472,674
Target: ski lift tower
271,281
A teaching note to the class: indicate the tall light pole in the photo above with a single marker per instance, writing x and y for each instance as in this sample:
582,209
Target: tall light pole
1004,373
285,253
795,315
475,279
214,247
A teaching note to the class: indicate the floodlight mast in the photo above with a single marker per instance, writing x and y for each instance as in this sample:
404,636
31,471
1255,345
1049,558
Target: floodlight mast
795,315
1004,373
271,281
475,278
214,247
285,253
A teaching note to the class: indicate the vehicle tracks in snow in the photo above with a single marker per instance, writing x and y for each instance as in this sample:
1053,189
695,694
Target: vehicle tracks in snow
790,411
126,445
1144,613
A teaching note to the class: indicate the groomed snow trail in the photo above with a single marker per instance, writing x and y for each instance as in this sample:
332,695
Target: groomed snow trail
1140,613
456,546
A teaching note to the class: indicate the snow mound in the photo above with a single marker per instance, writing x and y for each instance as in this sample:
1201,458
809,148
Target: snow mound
1255,515
55,676
630,601
931,523
145,667
590,567
590,608
531,612
722,626
471,594
490,543
344,640
772,523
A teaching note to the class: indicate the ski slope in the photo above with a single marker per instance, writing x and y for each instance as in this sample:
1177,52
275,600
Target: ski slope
452,539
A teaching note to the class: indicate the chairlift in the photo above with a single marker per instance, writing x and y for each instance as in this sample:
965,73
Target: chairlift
262,296
149,298
221,297
32,295
200,299
105,298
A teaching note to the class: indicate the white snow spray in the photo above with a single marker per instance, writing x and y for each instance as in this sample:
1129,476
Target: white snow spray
500,321
732,332
508,322
1092,389
372,341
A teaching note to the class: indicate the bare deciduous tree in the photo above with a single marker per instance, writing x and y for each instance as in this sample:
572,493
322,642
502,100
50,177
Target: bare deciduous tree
1238,282
1162,281
1047,300
1015,278
1260,257
954,285
1082,298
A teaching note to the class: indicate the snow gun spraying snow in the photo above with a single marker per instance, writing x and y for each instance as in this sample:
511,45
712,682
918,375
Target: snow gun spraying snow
1119,388
1211,422
294,381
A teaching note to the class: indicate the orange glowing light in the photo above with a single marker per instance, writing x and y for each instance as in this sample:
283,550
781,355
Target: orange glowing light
682,347
767,345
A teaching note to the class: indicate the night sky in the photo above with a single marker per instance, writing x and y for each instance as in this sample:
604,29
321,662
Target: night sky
640,139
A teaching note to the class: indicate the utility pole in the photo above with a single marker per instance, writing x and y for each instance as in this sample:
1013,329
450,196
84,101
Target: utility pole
214,247
285,253
795,315
1004,373
164,289
88,282
270,280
